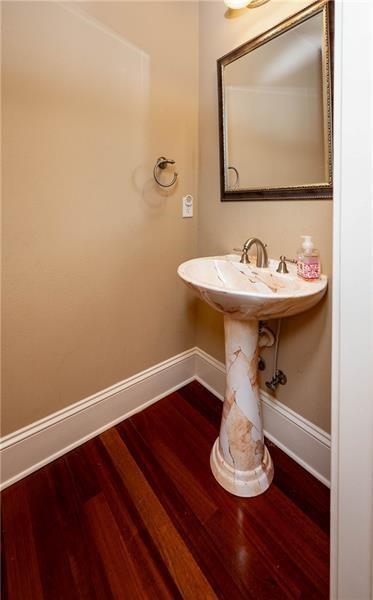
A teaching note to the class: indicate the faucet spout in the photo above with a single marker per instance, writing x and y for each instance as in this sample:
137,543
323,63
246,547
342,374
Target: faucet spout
261,252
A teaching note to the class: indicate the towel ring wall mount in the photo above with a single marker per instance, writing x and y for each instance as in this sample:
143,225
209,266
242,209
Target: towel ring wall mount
162,163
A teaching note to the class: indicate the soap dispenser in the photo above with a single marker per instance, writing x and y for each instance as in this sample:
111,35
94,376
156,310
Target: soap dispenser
308,260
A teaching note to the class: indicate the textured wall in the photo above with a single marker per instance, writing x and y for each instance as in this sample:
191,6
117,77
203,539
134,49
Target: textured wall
305,347
91,245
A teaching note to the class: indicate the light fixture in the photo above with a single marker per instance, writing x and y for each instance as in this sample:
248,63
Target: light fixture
237,4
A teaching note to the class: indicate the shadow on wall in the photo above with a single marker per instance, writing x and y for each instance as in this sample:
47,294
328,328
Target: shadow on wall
82,214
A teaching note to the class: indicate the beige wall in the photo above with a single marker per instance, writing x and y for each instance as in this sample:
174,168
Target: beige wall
93,93
91,244
305,345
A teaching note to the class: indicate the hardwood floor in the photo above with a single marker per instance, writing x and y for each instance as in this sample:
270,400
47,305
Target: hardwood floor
136,513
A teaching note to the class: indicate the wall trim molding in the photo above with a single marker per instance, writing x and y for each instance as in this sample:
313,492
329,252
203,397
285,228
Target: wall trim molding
352,406
30,448
34,446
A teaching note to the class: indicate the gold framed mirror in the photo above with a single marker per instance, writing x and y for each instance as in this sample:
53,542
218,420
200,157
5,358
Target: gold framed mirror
275,111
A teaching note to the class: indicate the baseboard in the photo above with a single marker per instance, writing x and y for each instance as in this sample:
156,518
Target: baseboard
38,444
303,441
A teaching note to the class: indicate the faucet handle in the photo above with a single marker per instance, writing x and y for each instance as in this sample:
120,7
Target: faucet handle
244,256
282,268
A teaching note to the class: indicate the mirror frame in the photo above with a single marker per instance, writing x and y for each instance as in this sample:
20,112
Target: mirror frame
297,192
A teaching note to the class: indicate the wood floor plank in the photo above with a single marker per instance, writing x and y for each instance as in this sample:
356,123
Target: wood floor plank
317,544
192,442
189,526
258,568
309,544
3,573
303,541
137,514
201,503
311,496
155,577
56,576
86,566
105,473
21,576
203,401
86,482
123,578
185,571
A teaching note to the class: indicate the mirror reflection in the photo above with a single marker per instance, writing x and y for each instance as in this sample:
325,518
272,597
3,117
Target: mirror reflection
276,112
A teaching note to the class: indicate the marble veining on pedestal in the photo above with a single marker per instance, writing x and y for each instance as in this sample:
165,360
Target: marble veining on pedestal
239,459
246,294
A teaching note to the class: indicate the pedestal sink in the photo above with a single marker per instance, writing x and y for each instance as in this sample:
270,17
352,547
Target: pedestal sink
245,294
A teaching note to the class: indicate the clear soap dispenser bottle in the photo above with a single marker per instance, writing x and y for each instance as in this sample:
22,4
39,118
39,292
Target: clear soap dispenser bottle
308,260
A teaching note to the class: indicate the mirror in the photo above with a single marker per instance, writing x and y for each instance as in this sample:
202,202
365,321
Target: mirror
275,112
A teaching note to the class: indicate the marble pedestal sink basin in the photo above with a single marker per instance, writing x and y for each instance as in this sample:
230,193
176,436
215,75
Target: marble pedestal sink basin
246,294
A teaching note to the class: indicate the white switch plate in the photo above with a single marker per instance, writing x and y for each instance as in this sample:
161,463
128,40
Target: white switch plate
187,203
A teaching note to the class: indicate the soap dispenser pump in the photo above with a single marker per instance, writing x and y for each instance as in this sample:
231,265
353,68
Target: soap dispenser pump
308,260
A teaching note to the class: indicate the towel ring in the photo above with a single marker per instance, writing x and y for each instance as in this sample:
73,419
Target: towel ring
237,182
162,163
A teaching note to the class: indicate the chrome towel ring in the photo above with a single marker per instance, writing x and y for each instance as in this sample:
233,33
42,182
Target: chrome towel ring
162,163
237,182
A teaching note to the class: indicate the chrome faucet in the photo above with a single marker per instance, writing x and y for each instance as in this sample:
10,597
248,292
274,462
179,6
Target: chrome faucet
261,253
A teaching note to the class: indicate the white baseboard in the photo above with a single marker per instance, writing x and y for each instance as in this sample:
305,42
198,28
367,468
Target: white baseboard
303,441
38,444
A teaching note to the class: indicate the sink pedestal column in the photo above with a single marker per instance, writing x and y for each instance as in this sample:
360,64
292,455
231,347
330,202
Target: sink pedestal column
239,460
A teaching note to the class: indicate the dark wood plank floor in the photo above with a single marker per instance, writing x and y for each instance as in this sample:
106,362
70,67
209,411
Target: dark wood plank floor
136,513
